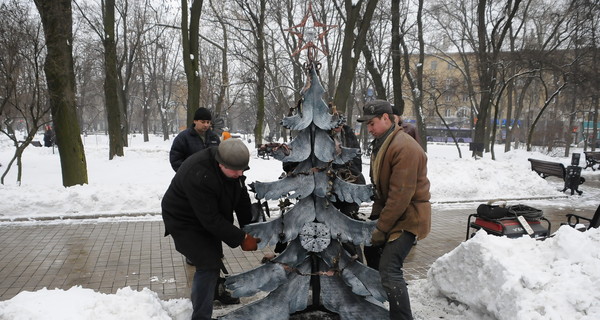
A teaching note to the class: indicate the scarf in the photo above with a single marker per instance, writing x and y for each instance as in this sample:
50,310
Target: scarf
380,146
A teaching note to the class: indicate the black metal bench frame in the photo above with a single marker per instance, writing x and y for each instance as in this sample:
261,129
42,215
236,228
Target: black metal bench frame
592,158
594,222
555,169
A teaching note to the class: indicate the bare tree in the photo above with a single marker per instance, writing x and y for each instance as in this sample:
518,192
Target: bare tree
23,104
160,67
255,19
112,87
415,79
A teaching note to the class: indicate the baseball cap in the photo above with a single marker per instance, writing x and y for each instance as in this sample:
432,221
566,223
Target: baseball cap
375,108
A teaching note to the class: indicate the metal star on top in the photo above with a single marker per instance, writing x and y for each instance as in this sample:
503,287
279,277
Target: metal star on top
307,35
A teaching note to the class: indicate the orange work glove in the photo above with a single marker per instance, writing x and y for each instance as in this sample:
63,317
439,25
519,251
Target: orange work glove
249,243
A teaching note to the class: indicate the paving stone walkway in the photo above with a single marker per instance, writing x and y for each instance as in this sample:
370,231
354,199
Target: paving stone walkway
108,255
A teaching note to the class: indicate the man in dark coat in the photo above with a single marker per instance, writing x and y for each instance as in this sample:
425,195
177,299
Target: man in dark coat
198,208
191,140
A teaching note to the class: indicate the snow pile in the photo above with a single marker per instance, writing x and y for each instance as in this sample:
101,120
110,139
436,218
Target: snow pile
523,278
78,303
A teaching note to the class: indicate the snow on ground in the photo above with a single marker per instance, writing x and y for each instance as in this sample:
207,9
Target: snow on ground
484,278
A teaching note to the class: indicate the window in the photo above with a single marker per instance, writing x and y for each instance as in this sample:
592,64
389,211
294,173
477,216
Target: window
433,82
434,64
519,83
448,83
463,112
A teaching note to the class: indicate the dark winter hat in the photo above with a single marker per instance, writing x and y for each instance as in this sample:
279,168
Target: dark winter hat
375,108
233,154
202,114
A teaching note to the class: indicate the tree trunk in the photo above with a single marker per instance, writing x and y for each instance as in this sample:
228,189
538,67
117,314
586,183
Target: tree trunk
352,47
223,91
510,93
488,48
396,57
486,73
191,60
57,21
111,83
260,74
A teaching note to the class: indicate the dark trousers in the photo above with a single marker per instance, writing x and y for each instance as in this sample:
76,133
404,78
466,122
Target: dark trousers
203,293
392,277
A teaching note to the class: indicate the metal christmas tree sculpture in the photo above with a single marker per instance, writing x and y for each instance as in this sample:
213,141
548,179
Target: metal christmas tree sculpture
314,271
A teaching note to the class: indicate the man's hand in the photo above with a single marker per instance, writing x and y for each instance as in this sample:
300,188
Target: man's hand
377,238
250,243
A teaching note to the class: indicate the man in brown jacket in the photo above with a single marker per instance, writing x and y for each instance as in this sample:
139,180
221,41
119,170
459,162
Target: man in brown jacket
401,205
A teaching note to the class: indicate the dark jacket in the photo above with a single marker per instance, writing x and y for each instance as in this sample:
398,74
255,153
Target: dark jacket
411,130
198,208
189,142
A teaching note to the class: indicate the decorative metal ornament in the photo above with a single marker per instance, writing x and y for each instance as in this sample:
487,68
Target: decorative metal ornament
309,35
315,237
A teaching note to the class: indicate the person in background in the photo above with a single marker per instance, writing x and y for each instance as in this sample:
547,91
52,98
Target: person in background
193,139
225,135
351,172
197,211
406,126
48,137
401,205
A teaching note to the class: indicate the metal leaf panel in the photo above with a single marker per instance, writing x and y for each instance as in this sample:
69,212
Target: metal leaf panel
343,227
300,148
286,225
264,278
298,187
363,280
290,297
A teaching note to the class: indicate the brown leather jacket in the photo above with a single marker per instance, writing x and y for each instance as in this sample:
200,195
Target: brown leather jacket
399,172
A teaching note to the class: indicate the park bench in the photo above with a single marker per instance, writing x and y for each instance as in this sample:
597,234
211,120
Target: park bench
34,143
574,220
592,159
571,177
